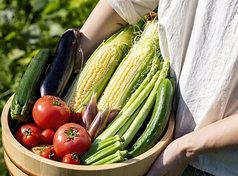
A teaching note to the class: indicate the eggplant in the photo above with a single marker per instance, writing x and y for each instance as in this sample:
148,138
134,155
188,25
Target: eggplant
60,72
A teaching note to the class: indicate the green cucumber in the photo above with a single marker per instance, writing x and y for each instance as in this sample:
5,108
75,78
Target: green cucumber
158,122
28,89
173,82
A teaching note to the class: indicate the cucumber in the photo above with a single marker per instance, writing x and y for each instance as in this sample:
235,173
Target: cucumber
28,90
158,122
173,82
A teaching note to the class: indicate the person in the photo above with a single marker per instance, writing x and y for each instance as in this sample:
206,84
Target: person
200,38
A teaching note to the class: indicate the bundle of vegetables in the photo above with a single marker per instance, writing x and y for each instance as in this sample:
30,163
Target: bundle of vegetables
46,75
128,123
148,47
121,87
139,65
98,69
155,93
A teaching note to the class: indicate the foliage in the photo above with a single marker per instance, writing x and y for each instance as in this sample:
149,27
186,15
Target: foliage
27,26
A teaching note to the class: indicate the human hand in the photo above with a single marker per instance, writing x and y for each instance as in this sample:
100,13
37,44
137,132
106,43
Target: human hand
179,153
172,161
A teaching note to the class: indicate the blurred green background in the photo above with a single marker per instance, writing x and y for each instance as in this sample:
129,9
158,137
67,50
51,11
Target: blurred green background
27,26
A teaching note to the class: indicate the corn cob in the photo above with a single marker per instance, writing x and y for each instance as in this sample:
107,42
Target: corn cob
98,69
129,71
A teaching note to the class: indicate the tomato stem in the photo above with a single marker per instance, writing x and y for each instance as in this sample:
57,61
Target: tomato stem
74,156
72,132
55,102
27,132
51,155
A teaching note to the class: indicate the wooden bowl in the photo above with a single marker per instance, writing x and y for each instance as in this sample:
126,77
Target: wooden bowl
21,161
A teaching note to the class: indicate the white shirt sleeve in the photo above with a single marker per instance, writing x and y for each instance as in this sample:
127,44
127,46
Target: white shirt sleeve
132,10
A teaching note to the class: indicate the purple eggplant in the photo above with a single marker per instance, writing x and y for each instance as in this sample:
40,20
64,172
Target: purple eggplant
60,72
90,112
99,122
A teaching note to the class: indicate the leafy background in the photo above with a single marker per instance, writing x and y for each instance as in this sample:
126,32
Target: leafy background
27,26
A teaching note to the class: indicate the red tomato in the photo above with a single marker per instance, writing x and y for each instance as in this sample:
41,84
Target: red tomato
71,158
47,136
29,135
70,138
49,153
38,149
50,112
76,117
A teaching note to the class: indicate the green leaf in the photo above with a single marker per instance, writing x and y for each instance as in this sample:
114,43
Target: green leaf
61,13
7,16
51,7
10,36
38,5
16,54
25,61
56,30
32,34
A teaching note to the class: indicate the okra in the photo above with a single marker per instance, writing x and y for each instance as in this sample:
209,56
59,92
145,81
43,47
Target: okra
104,152
100,145
114,158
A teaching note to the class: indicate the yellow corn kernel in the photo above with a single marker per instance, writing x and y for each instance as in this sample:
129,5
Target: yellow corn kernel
90,76
98,69
118,82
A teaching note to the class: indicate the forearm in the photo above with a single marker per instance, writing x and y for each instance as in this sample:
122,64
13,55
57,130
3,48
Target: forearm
100,25
218,136
178,154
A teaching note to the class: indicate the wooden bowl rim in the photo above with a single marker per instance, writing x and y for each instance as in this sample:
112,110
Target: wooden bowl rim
152,151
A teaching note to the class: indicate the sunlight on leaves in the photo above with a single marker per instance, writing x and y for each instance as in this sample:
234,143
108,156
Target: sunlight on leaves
16,54
38,5
56,30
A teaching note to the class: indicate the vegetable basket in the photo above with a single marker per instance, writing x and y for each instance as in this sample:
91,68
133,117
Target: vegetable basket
21,161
